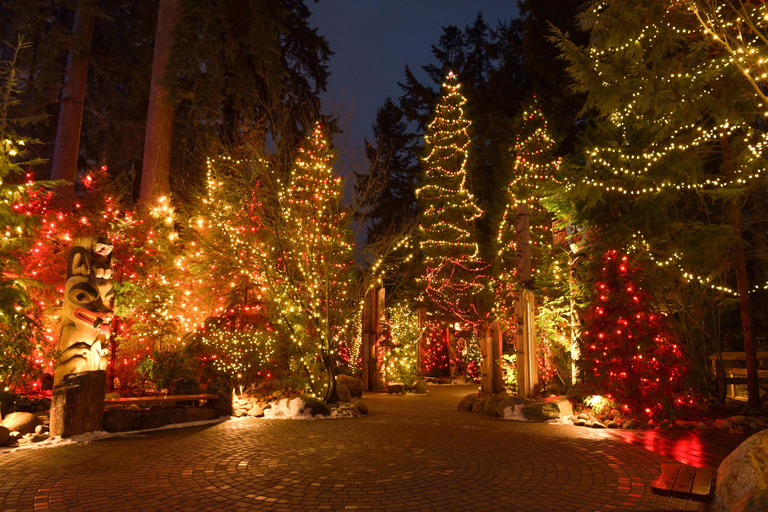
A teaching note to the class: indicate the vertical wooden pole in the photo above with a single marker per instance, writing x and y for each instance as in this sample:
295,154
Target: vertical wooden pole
527,364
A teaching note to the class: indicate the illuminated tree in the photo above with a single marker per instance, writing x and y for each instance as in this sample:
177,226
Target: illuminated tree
629,354
453,272
676,152
308,265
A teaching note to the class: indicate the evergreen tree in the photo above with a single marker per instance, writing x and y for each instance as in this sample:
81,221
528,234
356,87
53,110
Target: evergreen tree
308,267
628,352
676,151
447,236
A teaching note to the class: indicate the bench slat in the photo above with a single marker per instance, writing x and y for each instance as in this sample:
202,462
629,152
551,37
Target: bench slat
701,490
682,487
662,486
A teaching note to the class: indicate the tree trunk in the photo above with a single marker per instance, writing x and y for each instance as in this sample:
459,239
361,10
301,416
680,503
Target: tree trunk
67,145
158,136
742,281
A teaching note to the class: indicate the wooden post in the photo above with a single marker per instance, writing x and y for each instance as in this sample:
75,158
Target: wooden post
491,376
527,364
373,316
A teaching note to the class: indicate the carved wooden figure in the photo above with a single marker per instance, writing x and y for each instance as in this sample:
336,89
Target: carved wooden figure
86,313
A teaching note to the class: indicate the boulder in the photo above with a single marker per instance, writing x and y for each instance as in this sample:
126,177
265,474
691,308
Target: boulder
492,406
562,402
5,434
722,424
738,420
460,380
24,422
598,424
420,387
256,412
361,408
40,429
511,401
754,501
342,393
395,389
465,405
315,406
77,405
580,422
743,475
541,411
355,386
479,405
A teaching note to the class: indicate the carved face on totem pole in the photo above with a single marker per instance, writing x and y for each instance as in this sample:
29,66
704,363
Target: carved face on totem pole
87,308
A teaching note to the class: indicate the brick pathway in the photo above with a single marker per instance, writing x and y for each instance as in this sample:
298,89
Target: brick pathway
411,453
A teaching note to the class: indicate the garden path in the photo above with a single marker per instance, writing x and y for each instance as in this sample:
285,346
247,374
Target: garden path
410,453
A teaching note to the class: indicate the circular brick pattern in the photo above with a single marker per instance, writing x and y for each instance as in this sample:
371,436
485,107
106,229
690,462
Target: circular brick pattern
410,453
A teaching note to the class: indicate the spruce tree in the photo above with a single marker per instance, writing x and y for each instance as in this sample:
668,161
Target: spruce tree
676,147
452,274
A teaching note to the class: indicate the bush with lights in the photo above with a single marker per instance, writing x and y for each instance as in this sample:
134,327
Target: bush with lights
629,353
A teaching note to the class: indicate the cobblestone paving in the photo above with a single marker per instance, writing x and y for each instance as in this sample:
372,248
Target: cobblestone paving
411,453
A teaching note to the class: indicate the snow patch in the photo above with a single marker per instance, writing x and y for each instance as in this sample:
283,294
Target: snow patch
287,409
515,414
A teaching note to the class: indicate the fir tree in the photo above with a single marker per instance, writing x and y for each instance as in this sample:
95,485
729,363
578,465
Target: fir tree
676,150
628,352
448,244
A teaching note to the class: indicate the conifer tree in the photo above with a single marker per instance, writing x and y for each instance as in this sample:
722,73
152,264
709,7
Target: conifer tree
308,270
676,149
628,353
452,274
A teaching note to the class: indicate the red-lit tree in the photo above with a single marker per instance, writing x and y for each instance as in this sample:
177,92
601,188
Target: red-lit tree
628,352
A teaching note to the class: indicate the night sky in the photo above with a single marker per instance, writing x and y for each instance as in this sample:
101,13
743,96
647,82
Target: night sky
373,40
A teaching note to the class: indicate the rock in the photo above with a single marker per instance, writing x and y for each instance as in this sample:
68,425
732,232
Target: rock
36,438
420,387
40,429
754,501
722,424
631,424
702,426
562,402
580,422
541,411
77,405
361,408
24,422
511,401
5,435
613,424
583,416
239,413
255,412
479,405
743,473
753,425
444,380
315,406
460,380
738,420
342,392
134,407
465,405
355,386
685,425
492,406
395,389
598,424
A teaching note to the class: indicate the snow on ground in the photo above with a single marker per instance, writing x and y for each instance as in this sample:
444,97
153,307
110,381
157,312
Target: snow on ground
515,414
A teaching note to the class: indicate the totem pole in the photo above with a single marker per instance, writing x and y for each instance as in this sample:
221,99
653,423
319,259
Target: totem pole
80,378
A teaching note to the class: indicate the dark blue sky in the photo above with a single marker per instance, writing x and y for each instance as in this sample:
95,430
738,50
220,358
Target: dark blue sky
373,40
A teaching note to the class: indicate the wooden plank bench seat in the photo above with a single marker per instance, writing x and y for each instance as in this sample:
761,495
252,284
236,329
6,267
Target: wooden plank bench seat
685,482
160,399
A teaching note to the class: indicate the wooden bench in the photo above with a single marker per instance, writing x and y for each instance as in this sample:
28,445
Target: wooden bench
730,370
686,483
160,399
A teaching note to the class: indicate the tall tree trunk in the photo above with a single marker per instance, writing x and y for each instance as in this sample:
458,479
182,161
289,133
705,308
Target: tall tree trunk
742,281
156,165
67,145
